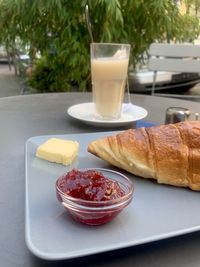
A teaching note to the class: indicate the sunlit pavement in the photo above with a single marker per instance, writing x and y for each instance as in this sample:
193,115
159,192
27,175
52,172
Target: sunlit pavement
10,84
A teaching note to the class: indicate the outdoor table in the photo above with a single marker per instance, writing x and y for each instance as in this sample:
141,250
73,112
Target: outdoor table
22,117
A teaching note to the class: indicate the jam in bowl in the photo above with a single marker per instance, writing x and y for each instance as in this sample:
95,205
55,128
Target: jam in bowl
94,196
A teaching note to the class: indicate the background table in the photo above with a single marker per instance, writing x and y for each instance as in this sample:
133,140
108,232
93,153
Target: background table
25,116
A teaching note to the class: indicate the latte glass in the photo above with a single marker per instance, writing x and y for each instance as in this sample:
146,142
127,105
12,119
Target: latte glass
109,67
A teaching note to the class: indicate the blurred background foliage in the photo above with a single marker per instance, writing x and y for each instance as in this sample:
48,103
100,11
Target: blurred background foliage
55,35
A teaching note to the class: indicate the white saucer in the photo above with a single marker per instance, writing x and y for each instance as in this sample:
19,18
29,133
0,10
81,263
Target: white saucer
85,113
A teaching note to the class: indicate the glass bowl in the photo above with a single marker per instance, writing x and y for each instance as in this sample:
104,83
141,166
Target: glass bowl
93,212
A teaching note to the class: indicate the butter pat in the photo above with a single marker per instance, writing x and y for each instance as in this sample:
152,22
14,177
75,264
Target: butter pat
58,150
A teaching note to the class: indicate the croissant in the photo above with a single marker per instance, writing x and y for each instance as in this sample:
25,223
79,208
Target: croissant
168,153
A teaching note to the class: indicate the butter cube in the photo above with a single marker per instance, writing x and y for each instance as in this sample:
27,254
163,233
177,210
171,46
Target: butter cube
58,150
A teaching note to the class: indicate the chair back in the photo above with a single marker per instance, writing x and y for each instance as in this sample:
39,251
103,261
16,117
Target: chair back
173,58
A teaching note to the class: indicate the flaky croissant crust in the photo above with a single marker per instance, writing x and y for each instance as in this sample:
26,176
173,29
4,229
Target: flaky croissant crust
168,153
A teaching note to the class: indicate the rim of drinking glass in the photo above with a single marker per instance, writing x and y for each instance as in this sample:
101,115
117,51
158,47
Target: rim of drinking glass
114,44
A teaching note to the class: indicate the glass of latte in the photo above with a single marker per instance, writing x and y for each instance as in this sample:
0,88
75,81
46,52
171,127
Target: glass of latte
109,67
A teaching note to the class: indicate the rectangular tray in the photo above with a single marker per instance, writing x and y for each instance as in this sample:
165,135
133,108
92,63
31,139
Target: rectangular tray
156,212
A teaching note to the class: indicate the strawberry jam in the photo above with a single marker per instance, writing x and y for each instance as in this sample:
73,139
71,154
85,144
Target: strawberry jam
90,185
91,197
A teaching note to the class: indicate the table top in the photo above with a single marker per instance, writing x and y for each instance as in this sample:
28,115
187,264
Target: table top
22,117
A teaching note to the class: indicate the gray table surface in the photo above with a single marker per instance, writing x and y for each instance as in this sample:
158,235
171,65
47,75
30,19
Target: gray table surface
22,117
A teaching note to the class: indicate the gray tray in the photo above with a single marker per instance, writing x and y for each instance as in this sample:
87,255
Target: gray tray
156,212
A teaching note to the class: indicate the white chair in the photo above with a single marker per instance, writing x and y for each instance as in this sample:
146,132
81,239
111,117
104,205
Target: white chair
182,58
